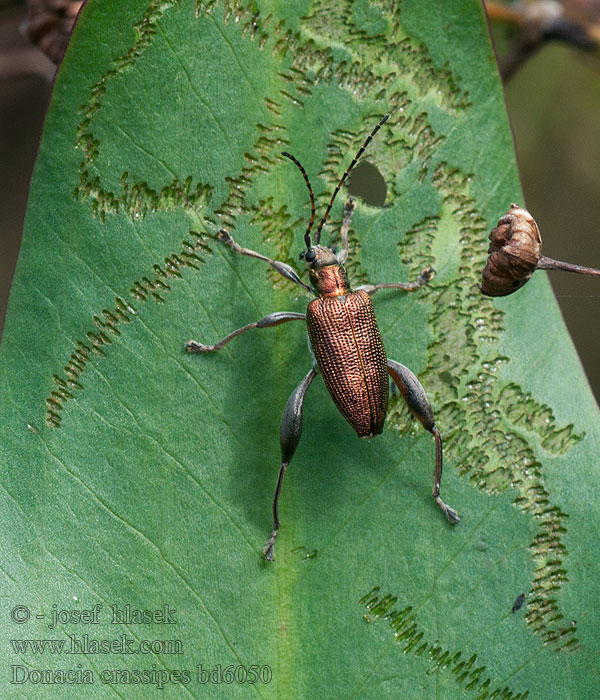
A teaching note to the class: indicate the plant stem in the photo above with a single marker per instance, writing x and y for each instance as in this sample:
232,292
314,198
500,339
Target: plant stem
545,263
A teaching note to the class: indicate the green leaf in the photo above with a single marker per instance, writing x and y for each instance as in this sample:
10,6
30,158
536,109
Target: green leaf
136,474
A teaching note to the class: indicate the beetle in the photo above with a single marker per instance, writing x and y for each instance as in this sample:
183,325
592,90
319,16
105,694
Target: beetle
346,345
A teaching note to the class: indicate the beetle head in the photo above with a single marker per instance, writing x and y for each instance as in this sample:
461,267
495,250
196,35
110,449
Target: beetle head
317,256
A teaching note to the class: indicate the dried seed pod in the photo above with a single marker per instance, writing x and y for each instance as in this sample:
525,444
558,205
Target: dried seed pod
514,252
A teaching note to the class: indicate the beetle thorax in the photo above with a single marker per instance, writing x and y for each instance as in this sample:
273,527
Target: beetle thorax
330,281
327,276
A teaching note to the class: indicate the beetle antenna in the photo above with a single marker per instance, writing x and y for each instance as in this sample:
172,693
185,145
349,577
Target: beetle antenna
307,240
345,175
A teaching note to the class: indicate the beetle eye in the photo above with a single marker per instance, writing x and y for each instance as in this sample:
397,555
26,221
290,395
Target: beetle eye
310,255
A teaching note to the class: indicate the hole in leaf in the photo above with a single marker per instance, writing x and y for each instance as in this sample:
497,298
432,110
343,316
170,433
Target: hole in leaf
368,183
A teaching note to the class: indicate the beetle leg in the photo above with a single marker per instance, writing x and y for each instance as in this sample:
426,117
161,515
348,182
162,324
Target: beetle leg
281,267
425,276
349,209
289,432
418,403
273,319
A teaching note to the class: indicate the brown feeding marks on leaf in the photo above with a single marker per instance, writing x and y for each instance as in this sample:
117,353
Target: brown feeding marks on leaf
149,287
135,199
469,673
262,158
278,230
372,66
483,417
524,411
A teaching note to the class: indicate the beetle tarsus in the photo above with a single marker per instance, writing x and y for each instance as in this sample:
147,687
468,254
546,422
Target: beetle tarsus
195,346
451,515
426,275
269,548
225,237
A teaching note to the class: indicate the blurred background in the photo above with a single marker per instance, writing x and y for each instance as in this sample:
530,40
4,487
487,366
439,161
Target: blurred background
550,57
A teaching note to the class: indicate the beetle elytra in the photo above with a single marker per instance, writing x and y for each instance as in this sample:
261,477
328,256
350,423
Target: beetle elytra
346,344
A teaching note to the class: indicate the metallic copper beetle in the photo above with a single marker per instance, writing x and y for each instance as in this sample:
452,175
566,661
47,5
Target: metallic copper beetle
346,344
